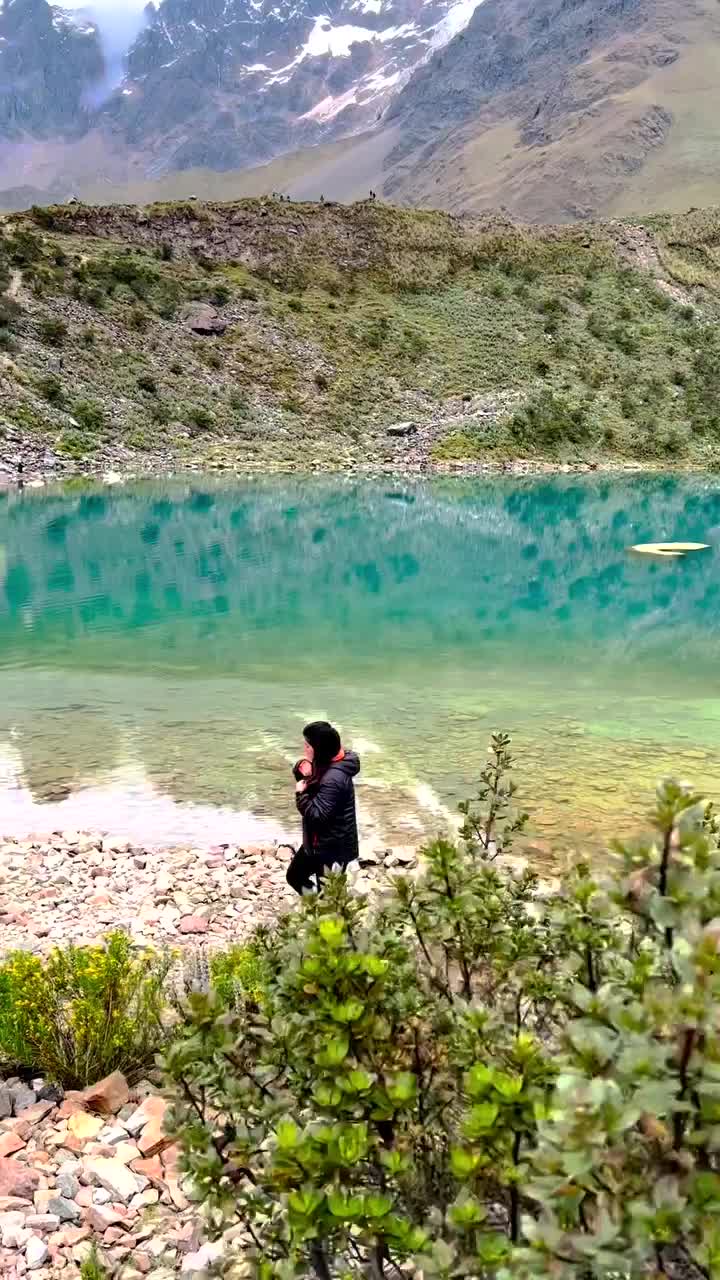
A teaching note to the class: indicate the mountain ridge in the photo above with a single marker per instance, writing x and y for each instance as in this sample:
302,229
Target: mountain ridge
258,334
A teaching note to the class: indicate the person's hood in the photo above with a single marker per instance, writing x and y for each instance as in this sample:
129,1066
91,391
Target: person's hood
350,764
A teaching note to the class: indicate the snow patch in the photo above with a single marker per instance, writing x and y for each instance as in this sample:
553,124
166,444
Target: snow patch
337,41
455,21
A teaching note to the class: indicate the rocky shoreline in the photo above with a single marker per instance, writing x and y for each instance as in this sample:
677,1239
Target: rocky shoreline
95,1169
76,886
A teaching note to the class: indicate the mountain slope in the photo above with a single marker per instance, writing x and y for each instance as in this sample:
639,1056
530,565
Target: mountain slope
556,109
220,84
267,334
48,62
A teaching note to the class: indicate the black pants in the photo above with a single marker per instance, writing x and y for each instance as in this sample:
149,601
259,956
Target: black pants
306,870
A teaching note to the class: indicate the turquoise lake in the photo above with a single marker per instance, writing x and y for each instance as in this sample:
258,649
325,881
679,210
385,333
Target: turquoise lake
162,644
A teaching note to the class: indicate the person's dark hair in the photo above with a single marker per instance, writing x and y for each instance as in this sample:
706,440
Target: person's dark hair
324,740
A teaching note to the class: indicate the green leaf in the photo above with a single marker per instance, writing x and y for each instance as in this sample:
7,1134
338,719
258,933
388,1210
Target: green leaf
332,931
334,1051
286,1134
478,1081
342,1205
347,1011
353,1143
356,1082
403,1087
377,1206
463,1162
509,1087
481,1119
305,1203
466,1211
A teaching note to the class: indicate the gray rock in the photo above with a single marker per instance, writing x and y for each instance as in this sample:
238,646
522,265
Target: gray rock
22,1097
203,320
36,1253
66,1210
67,1185
5,1103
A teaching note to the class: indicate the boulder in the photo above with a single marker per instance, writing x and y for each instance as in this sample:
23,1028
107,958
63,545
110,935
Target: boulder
146,1124
84,1126
65,1210
22,1097
401,429
113,1176
108,1095
204,1258
10,1143
36,1253
16,1179
203,320
193,924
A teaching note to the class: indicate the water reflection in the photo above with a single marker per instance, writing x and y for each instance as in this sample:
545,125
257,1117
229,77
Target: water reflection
190,628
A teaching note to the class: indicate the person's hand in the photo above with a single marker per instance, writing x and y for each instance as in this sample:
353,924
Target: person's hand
303,769
301,786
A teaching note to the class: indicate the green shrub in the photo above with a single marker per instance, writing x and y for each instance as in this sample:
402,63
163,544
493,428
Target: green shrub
89,414
220,294
476,1080
92,1268
53,331
146,382
239,403
199,417
51,388
76,444
82,1012
239,975
549,419
139,319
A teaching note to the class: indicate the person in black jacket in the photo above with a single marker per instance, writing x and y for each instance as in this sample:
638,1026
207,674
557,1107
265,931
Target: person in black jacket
325,797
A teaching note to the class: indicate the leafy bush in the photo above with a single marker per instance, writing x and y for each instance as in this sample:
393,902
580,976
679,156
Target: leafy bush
238,975
89,414
51,388
76,444
82,1012
53,331
199,417
549,419
477,1080
147,382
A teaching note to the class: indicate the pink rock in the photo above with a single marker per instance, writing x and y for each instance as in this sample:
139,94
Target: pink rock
37,1112
10,1143
17,1180
102,1216
108,1096
151,1169
192,924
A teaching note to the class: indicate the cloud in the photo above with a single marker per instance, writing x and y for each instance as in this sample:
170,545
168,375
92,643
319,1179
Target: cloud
119,22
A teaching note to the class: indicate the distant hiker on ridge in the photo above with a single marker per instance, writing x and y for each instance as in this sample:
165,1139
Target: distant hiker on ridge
325,797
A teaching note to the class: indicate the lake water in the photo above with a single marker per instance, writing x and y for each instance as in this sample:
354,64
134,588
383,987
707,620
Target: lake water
162,644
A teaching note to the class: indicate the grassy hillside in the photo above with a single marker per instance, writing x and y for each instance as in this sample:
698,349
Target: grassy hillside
569,344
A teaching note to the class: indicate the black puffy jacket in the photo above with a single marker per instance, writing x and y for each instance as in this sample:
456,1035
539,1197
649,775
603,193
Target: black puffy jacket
328,812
